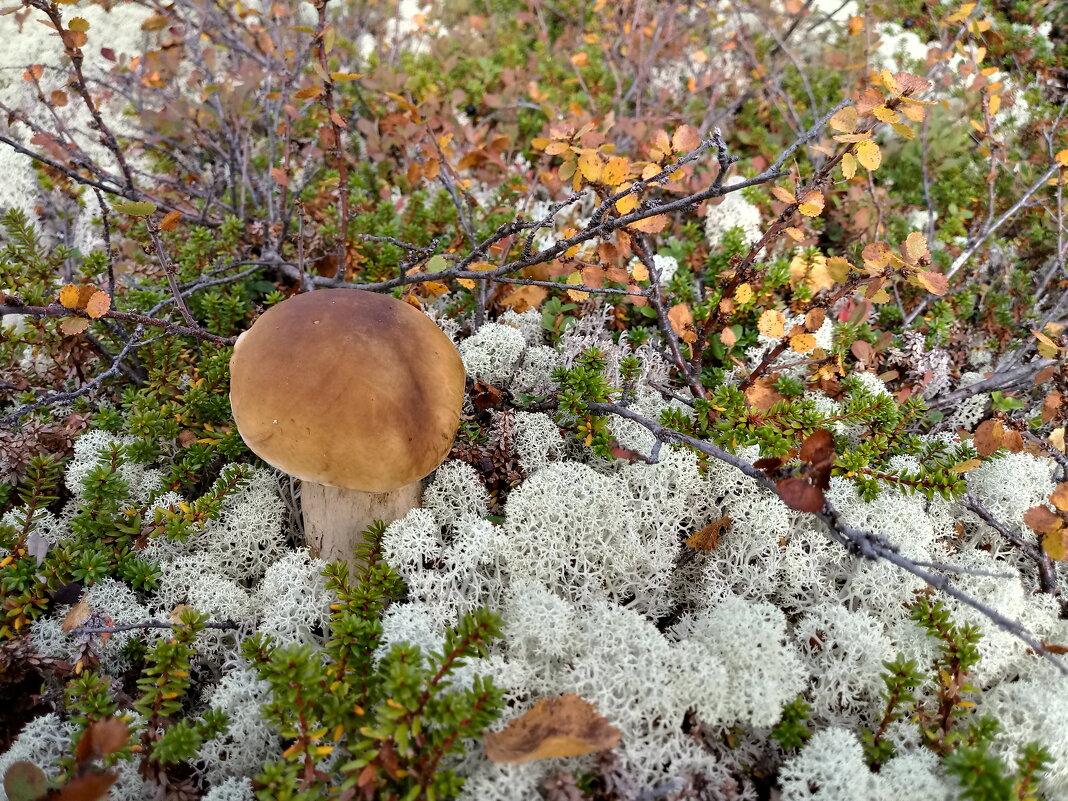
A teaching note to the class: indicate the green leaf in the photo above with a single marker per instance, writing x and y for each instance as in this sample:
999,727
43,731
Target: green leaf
139,209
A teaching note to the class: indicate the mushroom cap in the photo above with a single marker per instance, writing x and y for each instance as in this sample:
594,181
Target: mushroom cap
347,388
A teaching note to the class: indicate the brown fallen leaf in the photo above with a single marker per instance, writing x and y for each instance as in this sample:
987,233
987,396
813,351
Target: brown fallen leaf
565,725
708,538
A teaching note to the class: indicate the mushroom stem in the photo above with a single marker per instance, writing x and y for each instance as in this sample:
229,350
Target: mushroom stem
334,518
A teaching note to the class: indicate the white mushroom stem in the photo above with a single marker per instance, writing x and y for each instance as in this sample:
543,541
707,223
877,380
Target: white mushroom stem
335,518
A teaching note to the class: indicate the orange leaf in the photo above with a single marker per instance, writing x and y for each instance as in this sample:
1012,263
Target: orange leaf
170,220
802,343
651,225
935,283
681,319
1041,520
590,166
707,538
562,726
685,139
73,325
98,305
771,324
785,195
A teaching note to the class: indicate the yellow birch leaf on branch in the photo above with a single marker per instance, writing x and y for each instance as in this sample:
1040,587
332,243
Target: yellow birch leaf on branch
615,171
575,279
556,148
639,272
308,92
1062,157
914,112
69,296
869,155
904,131
811,204
78,24
650,170
98,305
802,343
849,165
845,119
590,166
884,114
916,245
744,293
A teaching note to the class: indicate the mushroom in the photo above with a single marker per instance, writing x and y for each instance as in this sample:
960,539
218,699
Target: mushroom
358,395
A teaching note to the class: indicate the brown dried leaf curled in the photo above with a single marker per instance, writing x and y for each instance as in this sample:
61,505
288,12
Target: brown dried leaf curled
799,494
707,538
566,725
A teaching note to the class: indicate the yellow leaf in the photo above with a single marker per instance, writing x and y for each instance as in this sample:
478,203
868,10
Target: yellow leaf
856,25
802,343
650,170
539,142
869,155
849,165
308,92
342,77
851,138
78,24
961,13
1062,157
590,166
771,324
838,269
811,204
887,80
964,467
640,272
795,234
744,293
994,103
845,119
73,325
884,114
575,279
914,112
903,130
627,203
69,296
556,148
916,245
615,171
98,305
580,59
1047,348
785,195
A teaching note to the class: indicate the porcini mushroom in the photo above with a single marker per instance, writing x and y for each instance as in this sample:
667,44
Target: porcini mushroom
355,393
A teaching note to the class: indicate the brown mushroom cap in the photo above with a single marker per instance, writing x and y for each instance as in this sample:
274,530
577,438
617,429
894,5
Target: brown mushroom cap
347,388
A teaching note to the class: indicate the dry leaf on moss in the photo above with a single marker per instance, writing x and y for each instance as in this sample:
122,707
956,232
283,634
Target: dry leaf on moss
562,726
